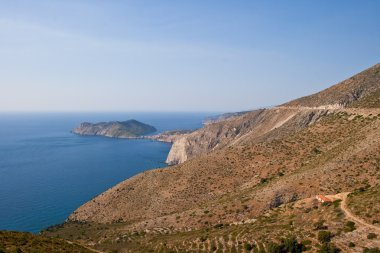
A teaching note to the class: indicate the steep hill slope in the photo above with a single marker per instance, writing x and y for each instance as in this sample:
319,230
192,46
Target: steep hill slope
238,170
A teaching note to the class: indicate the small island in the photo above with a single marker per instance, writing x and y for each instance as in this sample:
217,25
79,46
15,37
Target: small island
129,129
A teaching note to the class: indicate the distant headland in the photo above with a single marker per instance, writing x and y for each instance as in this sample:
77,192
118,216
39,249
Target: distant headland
115,129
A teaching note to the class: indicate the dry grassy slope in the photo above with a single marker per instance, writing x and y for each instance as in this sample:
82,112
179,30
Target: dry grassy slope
366,205
302,219
316,152
159,192
344,93
253,125
338,153
25,242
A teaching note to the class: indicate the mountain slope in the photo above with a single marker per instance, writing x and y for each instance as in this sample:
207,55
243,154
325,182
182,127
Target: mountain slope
299,222
239,169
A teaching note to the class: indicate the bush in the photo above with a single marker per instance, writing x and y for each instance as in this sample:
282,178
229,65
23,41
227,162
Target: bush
248,247
371,236
373,250
336,203
351,245
274,248
319,225
328,248
289,244
218,225
324,236
349,226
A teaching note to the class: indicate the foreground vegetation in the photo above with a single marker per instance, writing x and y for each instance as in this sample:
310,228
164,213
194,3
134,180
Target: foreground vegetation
304,225
17,242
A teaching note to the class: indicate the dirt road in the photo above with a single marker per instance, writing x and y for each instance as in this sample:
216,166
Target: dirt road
351,216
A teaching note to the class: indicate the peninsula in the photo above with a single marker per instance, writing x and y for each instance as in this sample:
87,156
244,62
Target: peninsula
115,129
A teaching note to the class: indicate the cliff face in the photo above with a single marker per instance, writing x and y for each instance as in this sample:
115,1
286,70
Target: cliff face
178,151
252,126
115,129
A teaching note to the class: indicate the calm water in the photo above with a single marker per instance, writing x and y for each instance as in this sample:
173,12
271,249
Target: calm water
46,172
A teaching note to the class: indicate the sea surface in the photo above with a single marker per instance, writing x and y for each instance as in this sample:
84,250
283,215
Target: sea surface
46,172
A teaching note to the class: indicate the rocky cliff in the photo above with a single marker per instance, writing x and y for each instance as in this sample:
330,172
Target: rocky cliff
115,129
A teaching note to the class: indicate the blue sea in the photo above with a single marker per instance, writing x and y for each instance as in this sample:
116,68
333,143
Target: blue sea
46,172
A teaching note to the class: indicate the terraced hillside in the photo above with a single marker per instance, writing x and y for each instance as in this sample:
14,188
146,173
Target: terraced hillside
251,180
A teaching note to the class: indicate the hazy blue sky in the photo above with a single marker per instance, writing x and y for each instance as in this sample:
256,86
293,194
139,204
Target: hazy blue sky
73,55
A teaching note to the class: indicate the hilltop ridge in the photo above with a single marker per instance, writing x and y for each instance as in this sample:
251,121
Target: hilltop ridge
345,93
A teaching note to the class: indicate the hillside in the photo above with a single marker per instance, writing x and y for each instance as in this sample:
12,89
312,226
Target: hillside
115,129
239,170
11,242
299,224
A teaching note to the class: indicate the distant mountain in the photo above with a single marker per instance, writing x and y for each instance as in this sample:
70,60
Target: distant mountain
116,129
221,117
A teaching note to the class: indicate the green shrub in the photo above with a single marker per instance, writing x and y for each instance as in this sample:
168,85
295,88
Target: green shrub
336,203
328,248
274,248
319,225
373,250
289,244
248,247
349,226
220,225
351,245
324,236
371,236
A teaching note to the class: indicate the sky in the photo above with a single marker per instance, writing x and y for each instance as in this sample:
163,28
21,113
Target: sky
167,55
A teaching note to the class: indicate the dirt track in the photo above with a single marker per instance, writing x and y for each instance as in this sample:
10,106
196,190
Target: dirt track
349,215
